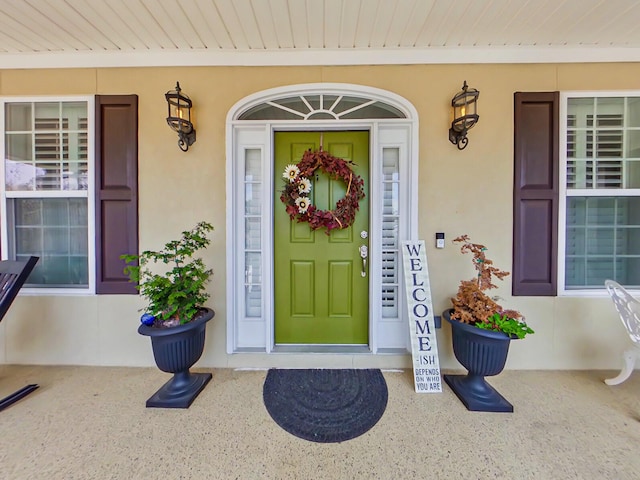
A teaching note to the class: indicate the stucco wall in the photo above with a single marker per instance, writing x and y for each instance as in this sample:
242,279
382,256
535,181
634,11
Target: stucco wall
466,191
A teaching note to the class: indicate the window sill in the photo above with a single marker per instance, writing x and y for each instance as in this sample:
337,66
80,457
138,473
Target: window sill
55,292
600,293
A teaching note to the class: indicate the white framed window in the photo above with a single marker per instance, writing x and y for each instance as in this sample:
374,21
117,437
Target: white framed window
48,190
600,190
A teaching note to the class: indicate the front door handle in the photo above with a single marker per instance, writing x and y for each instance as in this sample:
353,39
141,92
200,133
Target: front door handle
364,253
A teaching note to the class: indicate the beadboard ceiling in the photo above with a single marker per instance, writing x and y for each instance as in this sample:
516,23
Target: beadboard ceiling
68,33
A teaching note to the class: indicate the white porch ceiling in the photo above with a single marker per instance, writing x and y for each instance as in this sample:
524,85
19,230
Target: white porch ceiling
68,33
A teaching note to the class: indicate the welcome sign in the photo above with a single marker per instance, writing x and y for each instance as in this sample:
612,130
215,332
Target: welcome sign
424,345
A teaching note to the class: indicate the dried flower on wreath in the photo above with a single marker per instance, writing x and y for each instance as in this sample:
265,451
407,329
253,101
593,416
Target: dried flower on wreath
295,194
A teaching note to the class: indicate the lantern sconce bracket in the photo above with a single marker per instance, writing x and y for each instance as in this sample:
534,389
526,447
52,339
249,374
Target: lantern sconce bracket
179,117
465,115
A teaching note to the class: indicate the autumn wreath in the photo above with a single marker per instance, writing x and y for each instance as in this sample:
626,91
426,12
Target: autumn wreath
298,187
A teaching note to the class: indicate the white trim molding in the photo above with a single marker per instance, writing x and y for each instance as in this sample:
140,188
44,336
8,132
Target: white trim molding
329,57
248,331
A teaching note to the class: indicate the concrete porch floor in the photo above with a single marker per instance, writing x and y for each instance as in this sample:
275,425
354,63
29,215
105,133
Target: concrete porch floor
91,423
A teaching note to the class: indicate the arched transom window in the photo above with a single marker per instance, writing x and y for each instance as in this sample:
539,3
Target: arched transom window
321,107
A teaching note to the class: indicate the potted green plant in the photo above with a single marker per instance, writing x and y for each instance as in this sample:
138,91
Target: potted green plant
174,283
481,333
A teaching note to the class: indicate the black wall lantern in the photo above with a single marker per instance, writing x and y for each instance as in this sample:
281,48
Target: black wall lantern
179,117
465,115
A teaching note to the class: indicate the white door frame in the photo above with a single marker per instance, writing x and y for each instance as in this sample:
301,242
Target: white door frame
250,146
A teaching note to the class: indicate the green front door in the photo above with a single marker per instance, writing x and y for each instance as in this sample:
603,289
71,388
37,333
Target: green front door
321,282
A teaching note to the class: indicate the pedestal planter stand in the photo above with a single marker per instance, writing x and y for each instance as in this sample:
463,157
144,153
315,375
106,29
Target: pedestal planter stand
482,353
176,350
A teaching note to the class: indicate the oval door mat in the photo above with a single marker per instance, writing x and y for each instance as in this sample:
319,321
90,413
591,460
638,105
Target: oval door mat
325,406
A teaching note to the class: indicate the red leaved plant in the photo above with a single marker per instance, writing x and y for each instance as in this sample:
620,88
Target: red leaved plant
472,305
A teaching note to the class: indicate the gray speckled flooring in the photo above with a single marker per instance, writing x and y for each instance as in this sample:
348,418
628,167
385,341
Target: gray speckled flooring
91,423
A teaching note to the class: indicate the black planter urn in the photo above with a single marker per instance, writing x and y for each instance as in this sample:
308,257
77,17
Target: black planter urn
483,353
176,350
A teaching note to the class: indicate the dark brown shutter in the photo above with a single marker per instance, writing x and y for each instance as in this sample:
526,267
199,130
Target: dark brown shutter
116,190
535,192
